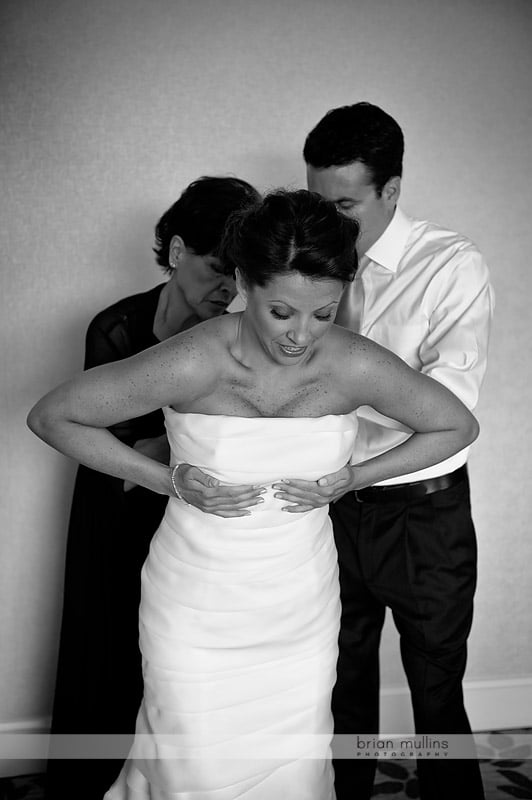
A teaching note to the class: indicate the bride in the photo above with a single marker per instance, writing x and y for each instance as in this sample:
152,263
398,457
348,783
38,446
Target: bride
239,616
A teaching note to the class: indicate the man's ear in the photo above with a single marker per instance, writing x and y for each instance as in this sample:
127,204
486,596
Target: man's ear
391,191
241,285
176,251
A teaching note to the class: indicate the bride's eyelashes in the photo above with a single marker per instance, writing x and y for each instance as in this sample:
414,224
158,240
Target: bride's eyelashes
277,314
320,317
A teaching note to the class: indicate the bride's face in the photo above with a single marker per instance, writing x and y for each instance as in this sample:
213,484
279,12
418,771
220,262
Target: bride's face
289,315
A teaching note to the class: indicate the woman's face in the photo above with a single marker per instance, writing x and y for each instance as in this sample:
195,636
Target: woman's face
203,284
290,315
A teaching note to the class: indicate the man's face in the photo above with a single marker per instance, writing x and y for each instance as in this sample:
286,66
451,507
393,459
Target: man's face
351,189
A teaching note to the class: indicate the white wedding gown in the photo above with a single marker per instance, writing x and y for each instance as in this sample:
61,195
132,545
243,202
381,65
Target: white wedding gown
239,623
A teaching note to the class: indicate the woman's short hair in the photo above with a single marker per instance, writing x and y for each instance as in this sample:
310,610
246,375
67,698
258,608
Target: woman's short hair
296,231
200,215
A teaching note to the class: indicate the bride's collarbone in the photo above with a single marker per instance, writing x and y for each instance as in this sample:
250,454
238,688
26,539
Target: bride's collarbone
278,395
275,381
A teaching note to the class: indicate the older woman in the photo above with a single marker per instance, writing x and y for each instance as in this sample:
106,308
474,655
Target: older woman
239,616
99,678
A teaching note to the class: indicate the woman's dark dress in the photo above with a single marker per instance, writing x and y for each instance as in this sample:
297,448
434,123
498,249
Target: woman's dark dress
99,678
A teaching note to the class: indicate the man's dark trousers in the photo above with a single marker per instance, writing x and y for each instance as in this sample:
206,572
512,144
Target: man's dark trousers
419,559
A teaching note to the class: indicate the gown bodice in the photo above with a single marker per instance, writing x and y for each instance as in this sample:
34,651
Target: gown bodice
261,450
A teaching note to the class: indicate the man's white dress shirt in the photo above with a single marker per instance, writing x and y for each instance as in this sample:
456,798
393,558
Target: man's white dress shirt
426,296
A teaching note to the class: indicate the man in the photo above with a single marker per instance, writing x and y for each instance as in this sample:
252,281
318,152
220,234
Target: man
409,543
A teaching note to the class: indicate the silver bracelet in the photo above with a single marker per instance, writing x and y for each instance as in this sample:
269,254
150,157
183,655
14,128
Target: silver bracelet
176,490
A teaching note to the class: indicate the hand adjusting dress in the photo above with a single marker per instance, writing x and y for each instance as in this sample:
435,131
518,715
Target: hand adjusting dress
239,623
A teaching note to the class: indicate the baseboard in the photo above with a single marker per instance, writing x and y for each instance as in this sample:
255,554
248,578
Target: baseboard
499,704
491,705
11,767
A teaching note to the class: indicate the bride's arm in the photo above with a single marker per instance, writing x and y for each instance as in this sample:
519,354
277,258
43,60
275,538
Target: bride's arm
74,417
440,422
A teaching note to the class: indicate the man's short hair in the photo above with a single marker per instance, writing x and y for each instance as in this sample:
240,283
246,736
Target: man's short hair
361,132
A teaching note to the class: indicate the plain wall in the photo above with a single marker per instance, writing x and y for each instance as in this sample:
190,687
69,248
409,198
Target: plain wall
110,108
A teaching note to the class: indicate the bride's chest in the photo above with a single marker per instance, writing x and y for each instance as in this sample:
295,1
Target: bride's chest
277,395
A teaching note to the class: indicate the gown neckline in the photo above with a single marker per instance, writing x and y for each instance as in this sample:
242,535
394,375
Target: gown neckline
167,409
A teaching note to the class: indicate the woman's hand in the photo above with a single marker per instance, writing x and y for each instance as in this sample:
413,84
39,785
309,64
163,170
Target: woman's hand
201,490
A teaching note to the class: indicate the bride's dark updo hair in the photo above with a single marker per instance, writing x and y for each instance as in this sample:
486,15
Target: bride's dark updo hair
286,232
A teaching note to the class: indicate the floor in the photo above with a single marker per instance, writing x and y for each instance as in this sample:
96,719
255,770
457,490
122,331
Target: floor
506,772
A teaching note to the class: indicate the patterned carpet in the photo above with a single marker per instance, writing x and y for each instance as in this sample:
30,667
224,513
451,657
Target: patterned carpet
506,766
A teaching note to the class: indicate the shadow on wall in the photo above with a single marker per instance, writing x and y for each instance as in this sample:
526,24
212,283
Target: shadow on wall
284,170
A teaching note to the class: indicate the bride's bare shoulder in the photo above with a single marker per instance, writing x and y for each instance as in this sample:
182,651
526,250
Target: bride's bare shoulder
352,351
205,346
346,343
185,366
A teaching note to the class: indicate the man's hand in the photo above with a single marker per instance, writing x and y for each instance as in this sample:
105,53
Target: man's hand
307,495
211,496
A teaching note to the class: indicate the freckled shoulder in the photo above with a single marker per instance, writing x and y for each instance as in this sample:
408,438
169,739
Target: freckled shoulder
347,347
356,360
204,346
210,337
182,368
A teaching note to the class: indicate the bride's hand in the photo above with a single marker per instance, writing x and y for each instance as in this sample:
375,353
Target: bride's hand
201,490
307,495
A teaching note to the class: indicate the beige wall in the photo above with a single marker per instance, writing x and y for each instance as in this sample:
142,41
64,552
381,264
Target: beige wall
111,108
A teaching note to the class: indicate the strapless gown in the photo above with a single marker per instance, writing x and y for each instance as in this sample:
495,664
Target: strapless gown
239,623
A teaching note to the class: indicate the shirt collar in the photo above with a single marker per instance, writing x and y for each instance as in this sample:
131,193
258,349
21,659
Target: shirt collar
388,248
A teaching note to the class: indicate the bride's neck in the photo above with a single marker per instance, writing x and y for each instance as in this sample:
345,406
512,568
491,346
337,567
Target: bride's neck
246,348
251,353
